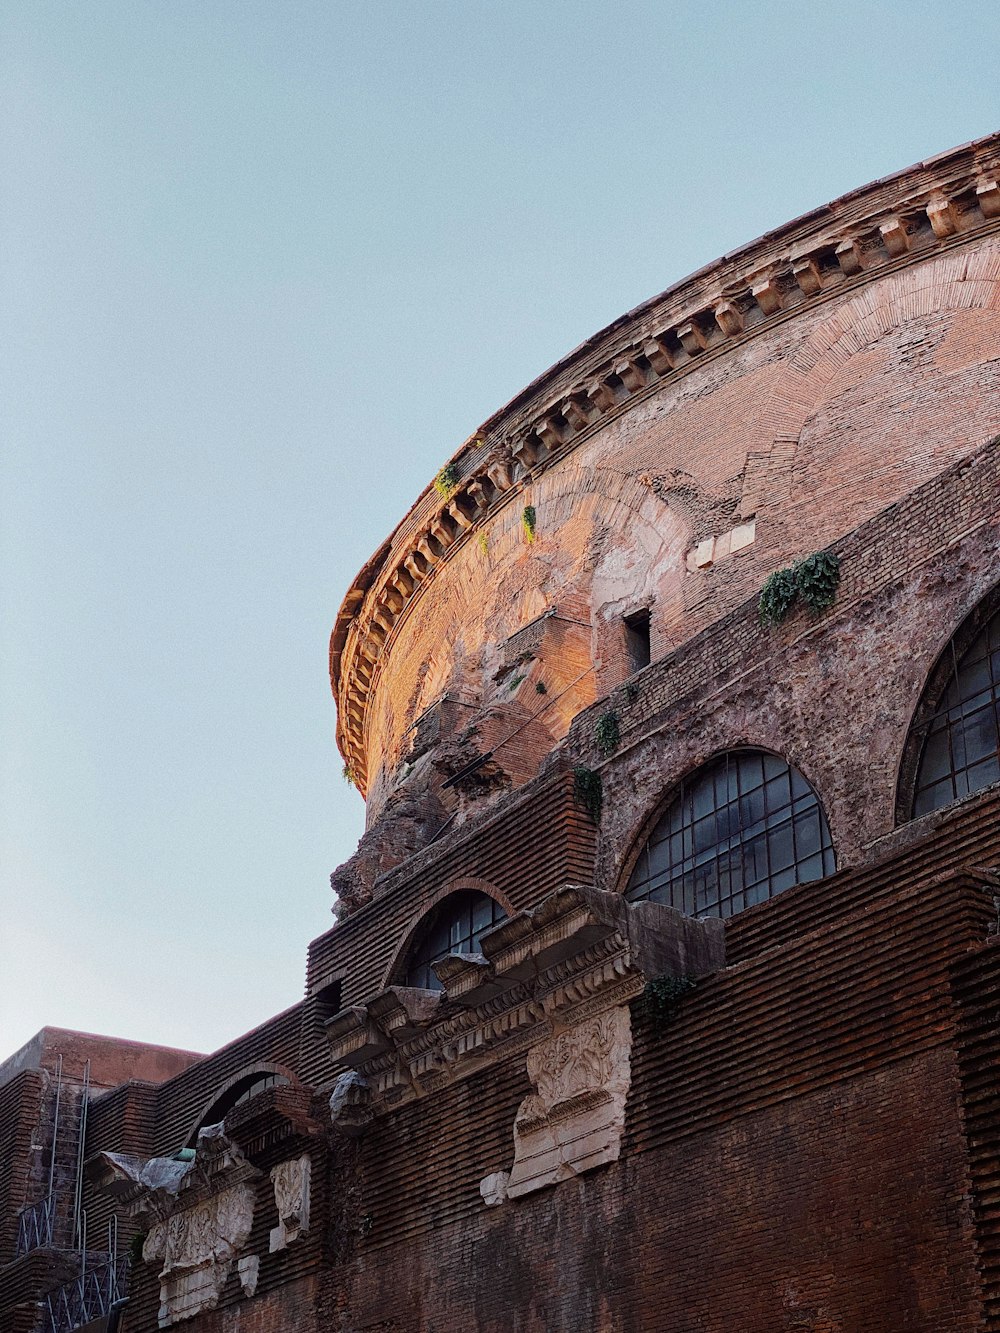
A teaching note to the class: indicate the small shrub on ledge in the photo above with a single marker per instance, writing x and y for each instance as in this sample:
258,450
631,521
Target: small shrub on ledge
607,733
446,481
589,791
662,998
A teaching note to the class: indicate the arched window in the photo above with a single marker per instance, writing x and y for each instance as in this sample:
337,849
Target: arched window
455,925
740,829
956,730
241,1090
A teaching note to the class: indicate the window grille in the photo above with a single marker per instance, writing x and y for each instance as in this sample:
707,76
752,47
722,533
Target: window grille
455,925
961,750
742,828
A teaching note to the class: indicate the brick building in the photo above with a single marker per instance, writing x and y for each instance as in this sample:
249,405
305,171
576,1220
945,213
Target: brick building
665,984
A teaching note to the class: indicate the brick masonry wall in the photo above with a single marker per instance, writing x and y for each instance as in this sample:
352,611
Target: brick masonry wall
20,1109
540,839
835,696
813,427
794,1156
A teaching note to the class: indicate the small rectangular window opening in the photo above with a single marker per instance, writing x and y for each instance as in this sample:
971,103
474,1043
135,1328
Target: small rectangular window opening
637,640
328,1001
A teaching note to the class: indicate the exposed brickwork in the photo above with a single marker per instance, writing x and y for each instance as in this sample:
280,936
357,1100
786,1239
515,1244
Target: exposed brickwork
807,1142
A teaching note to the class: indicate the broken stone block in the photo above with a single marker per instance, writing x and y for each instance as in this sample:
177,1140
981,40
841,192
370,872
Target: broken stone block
493,1188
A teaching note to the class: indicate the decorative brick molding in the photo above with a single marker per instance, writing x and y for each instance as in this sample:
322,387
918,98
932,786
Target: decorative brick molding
901,220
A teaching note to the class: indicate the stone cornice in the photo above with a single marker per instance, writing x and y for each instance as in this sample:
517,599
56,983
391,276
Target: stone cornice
864,235
575,955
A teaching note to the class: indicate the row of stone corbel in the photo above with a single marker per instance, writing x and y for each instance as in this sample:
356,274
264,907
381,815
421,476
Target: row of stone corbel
665,346
579,952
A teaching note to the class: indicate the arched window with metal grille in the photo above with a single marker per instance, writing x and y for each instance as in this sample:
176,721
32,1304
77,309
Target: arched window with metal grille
954,743
454,925
738,830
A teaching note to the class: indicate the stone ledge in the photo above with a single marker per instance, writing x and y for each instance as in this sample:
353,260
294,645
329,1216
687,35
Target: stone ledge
578,954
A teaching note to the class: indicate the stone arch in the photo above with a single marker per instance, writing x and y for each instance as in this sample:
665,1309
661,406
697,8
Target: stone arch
948,283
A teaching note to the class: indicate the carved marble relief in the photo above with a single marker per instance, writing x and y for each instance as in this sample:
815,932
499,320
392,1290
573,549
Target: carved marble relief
575,1118
197,1247
291,1195
199,1214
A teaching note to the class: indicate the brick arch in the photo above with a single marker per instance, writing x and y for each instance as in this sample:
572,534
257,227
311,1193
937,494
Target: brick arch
244,1072
463,884
647,820
950,283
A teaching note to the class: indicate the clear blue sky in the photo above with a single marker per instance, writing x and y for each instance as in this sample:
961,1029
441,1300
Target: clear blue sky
264,267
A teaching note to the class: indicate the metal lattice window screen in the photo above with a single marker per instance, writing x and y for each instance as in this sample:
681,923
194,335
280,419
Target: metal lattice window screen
455,925
742,828
961,753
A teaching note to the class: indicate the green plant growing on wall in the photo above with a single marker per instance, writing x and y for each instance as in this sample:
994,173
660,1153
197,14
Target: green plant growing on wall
607,733
777,597
662,998
483,542
818,577
814,579
528,522
541,687
347,773
446,480
589,791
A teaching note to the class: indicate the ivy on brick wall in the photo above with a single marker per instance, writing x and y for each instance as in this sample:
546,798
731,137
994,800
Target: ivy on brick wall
589,791
607,733
818,577
662,998
814,579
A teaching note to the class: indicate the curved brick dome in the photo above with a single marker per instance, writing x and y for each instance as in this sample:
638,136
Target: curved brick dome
650,481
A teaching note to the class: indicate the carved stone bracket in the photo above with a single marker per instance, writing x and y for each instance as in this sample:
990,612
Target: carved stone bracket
291,1195
578,954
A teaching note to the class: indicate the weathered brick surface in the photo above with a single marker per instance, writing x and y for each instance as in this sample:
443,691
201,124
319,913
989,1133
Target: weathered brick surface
20,1107
920,567
794,1156
815,427
811,1143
